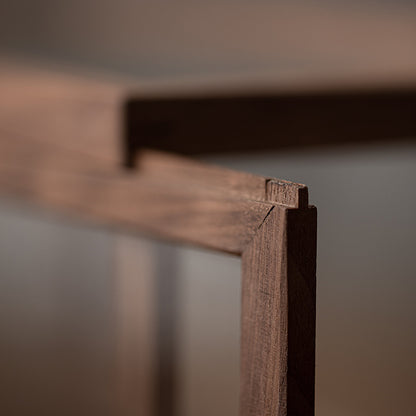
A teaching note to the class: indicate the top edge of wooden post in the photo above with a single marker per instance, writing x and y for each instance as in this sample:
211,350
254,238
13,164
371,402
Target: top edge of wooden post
293,195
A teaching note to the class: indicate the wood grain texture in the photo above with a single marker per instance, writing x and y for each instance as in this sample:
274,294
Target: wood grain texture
224,208
58,141
287,193
162,209
200,174
264,320
278,316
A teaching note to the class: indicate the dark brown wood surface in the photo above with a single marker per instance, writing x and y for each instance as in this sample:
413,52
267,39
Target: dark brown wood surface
301,275
224,208
51,154
264,320
149,206
278,283
278,316
272,119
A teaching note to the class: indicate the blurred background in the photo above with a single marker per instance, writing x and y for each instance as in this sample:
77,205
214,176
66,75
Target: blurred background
58,317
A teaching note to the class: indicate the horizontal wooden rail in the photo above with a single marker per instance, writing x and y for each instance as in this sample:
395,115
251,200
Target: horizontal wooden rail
221,214
273,120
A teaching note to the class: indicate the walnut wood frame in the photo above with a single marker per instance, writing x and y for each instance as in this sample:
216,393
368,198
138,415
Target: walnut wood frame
267,222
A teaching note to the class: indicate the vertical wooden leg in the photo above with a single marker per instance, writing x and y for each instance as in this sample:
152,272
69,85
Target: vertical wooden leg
278,316
136,326
146,280
166,331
